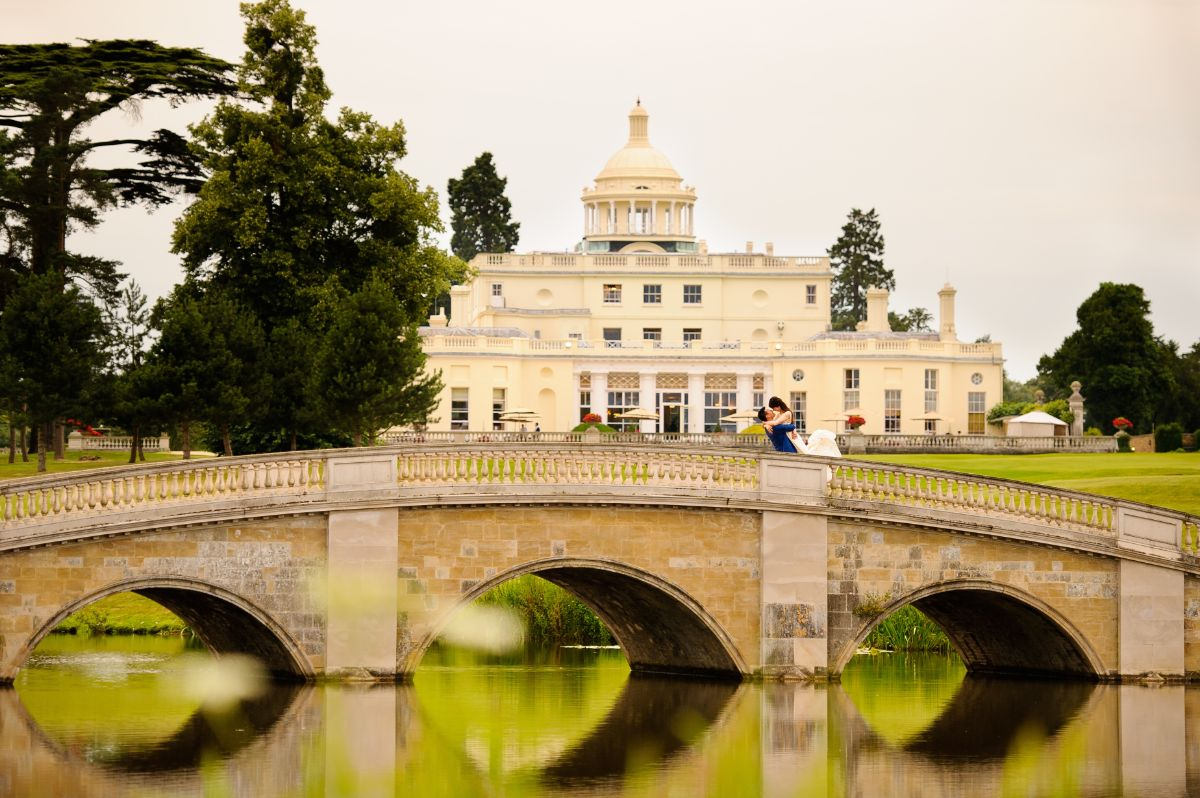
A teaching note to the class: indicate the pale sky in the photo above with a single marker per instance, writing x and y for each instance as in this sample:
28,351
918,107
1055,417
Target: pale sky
1024,150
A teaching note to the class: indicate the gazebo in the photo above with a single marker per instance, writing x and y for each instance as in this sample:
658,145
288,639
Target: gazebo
1035,424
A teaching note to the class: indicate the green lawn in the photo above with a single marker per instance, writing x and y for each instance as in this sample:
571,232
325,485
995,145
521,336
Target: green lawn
1171,479
73,462
123,613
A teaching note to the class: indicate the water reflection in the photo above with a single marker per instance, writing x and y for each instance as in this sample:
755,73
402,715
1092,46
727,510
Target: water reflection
652,720
577,724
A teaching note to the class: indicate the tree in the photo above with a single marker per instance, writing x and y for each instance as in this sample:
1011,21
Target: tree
481,214
297,208
52,338
49,93
856,259
916,320
205,364
1115,355
368,370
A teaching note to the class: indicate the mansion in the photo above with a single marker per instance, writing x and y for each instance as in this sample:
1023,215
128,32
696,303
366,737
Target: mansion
642,315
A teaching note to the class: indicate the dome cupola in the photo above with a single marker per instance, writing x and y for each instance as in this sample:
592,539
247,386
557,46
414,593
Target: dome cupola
639,202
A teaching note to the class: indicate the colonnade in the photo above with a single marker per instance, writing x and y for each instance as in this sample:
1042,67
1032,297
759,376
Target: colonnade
648,217
648,388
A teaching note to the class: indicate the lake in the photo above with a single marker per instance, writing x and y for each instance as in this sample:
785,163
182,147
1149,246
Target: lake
148,716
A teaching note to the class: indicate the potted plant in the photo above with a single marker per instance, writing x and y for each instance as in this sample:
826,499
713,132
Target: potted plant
854,422
1123,426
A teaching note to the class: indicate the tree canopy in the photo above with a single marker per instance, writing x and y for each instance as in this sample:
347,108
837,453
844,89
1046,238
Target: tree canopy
856,260
298,209
481,214
49,94
1116,357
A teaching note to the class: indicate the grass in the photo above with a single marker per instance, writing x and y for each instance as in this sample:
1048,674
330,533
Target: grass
123,613
1170,479
74,462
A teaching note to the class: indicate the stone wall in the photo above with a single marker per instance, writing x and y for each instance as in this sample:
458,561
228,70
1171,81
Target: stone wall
271,564
887,563
712,558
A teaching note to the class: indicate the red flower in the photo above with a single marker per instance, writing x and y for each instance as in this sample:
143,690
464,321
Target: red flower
1120,422
855,421
591,418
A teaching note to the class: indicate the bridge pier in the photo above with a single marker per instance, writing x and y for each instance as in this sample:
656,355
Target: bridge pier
1151,621
362,595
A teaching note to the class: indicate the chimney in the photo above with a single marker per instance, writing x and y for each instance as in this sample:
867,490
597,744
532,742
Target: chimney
877,310
770,245
749,247
438,320
946,317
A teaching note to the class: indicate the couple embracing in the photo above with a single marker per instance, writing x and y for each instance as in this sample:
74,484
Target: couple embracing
777,421
780,426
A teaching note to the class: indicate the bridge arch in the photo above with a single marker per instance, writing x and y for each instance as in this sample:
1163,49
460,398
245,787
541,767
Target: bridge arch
660,628
996,629
224,621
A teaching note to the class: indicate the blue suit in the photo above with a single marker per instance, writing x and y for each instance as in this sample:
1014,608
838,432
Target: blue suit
779,438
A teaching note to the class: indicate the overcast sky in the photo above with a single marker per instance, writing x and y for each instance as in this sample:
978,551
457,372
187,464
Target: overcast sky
1024,150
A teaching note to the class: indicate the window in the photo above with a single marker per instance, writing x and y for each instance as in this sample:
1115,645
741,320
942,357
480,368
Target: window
497,289
931,390
652,333
976,407
652,294
612,294
619,402
497,408
460,417
691,334
691,294
575,336
891,411
717,404
810,295
757,399
850,386
612,337
585,403
799,405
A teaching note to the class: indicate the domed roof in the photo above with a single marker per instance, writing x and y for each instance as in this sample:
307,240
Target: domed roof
637,159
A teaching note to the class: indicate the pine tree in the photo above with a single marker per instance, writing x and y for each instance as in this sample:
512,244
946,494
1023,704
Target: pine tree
857,263
482,215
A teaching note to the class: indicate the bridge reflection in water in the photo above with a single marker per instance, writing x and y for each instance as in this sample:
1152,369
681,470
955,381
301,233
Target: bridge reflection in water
967,736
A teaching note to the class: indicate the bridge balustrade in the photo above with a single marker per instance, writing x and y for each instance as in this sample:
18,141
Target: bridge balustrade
559,466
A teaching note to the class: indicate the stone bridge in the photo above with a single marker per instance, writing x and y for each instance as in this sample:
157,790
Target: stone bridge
701,558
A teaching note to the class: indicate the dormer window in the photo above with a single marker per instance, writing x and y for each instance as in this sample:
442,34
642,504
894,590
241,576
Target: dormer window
641,188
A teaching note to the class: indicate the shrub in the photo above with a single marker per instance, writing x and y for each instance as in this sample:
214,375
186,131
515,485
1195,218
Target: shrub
1168,437
1094,432
584,427
908,629
1196,441
1123,441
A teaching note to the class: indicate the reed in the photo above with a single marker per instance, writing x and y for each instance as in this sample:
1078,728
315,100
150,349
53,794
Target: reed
550,614
908,629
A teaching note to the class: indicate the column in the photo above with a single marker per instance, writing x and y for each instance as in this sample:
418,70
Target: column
647,387
587,218
673,218
695,403
653,217
745,392
600,395
612,216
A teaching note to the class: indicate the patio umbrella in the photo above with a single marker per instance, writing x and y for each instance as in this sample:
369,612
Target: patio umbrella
517,411
743,415
638,413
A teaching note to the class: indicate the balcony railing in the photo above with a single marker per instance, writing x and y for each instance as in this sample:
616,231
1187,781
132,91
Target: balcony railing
683,262
435,342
